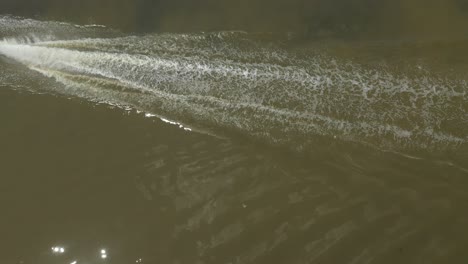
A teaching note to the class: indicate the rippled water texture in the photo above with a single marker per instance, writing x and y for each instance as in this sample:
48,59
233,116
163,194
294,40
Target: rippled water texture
229,147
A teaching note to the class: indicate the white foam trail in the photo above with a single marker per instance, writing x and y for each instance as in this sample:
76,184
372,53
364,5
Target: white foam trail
11,26
267,93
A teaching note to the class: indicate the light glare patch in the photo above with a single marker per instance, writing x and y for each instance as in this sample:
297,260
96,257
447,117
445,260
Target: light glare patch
58,250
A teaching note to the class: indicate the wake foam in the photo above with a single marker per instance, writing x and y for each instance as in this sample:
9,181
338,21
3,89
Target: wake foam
231,81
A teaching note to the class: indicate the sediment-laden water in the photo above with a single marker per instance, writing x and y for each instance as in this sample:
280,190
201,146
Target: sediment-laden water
229,147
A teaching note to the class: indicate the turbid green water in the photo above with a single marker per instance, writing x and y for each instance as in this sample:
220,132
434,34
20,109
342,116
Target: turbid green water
230,147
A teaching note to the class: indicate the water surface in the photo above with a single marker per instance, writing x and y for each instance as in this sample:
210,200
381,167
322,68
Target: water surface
230,147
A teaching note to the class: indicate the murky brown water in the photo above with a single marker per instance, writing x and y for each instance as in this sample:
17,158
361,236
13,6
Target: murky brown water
230,147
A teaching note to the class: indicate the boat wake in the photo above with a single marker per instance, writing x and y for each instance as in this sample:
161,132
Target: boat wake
237,83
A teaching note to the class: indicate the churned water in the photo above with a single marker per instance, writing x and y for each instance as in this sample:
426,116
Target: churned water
229,147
